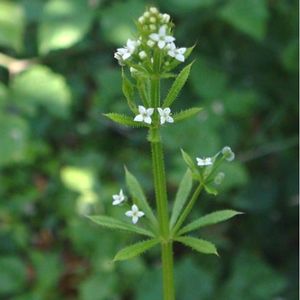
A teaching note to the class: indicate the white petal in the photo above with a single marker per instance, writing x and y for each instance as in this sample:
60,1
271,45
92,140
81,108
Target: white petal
160,111
162,120
135,219
161,44
170,119
167,110
147,120
142,109
171,53
181,50
116,202
138,118
162,30
129,213
140,214
154,36
169,39
180,57
134,208
126,55
150,111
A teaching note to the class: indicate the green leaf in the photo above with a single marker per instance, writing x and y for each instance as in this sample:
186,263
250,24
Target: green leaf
128,91
64,23
248,16
210,219
198,244
142,88
210,190
135,250
124,120
38,87
181,196
112,223
177,86
188,160
186,114
14,141
139,197
12,23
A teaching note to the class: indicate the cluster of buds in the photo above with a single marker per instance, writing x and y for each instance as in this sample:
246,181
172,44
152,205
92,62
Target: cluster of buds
134,213
155,38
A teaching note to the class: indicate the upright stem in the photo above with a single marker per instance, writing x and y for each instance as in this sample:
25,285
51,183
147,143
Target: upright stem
162,200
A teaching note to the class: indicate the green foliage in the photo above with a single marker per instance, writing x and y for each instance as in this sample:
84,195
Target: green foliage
128,91
135,250
209,219
11,29
139,197
58,152
199,245
182,194
63,24
185,114
124,120
112,223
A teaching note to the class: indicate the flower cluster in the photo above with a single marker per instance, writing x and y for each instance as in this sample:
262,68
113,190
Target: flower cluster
134,213
155,36
146,113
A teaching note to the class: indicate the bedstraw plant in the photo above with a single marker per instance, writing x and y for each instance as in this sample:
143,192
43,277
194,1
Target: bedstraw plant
146,60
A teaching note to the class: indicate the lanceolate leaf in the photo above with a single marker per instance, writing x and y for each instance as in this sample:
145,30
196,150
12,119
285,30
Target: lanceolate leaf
210,190
198,244
188,160
177,86
186,114
135,250
124,120
210,219
117,224
128,91
142,88
139,197
181,196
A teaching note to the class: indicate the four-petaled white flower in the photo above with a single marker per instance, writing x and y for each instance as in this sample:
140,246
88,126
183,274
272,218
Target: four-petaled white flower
118,198
204,161
161,37
164,114
134,213
124,53
177,53
144,115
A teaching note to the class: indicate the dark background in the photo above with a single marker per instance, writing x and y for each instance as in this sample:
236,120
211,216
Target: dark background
60,159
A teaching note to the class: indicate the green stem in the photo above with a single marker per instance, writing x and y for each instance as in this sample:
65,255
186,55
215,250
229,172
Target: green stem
161,198
187,209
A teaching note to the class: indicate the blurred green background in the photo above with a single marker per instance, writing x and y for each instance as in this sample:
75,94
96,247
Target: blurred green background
61,159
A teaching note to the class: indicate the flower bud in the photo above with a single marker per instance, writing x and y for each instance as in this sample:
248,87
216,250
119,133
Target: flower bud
228,154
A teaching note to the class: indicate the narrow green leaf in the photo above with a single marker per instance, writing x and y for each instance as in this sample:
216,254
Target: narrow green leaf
128,91
186,114
124,120
139,197
210,219
198,244
177,86
142,89
135,250
210,190
188,160
112,223
181,196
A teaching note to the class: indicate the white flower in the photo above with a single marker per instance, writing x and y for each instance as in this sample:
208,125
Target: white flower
164,114
142,54
144,115
118,198
177,53
134,213
161,37
124,53
204,161
228,153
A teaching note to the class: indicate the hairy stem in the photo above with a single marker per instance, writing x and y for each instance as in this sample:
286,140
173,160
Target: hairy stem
162,199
